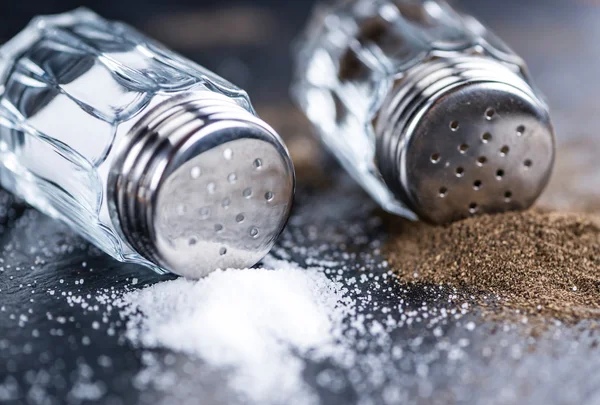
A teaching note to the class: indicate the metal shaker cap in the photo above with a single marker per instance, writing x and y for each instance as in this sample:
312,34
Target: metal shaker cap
202,184
464,136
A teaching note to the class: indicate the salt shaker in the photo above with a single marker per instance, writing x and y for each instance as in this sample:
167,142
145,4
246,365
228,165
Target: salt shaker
151,157
429,111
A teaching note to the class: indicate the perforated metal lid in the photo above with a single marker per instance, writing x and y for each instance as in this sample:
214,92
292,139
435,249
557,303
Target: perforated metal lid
462,136
203,185
479,148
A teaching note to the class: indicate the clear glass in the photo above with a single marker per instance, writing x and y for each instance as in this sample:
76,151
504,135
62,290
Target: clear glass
352,55
72,85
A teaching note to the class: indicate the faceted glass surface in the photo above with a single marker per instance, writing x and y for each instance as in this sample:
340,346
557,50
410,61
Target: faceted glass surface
72,86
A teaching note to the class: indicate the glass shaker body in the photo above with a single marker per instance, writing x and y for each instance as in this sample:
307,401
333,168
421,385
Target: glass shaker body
74,87
370,74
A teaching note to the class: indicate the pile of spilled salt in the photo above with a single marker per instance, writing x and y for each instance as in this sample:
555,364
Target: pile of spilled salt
253,322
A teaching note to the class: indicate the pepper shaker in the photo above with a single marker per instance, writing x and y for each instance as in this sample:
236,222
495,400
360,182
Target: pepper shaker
429,111
151,157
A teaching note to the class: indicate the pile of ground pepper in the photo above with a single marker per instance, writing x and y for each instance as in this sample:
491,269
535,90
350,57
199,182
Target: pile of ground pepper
537,264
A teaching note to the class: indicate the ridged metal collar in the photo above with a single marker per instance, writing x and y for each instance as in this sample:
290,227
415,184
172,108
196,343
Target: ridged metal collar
201,183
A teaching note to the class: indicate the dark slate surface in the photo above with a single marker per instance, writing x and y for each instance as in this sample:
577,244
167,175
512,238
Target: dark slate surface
48,349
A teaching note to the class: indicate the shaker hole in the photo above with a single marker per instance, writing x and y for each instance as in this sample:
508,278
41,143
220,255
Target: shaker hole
435,158
228,154
473,208
211,187
489,113
481,160
486,137
247,193
218,227
269,196
195,172
232,178
443,192
222,251
504,150
193,240
460,172
477,185
528,163
240,218
499,174
463,148
520,130
507,196
254,232
204,213
454,125
226,202
257,163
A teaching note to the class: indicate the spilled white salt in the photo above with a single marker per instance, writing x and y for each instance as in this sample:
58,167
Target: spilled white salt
288,336
253,322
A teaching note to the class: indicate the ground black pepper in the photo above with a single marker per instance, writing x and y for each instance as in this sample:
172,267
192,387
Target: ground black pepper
539,264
